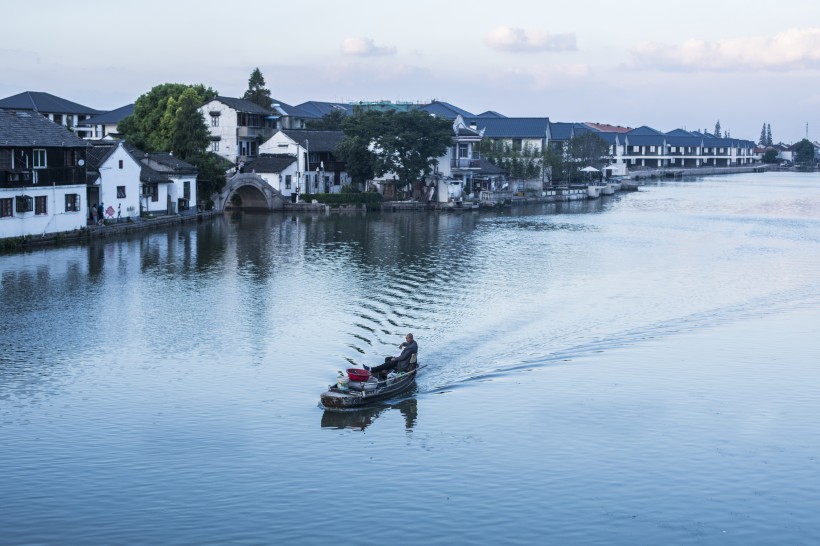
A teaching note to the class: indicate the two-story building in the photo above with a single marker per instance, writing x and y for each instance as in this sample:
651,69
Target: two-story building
42,176
237,126
318,170
114,171
61,111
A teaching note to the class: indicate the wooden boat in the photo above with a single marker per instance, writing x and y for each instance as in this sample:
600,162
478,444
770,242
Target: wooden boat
368,392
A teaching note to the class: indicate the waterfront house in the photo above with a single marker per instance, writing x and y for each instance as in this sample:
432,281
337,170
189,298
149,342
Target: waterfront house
236,127
114,171
105,125
290,117
42,176
61,111
168,184
280,171
318,170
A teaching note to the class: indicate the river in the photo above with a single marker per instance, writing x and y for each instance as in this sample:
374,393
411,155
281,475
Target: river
638,369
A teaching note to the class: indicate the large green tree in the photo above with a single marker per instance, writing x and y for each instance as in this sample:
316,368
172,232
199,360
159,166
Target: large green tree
190,137
588,149
405,143
332,121
155,119
804,152
257,93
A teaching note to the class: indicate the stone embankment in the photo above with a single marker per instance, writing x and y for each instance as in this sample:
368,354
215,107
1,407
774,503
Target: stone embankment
668,172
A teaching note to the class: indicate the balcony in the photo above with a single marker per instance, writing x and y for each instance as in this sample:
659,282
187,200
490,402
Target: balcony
465,163
255,132
57,176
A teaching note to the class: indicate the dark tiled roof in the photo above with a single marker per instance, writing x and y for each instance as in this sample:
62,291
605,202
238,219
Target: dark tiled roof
446,110
610,137
644,131
113,116
561,130
511,127
25,129
270,163
98,152
289,110
321,109
488,168
645,140
318,141
45,103
167,163
242,105
490,114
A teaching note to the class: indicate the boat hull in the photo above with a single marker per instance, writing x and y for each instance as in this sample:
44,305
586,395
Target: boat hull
335,398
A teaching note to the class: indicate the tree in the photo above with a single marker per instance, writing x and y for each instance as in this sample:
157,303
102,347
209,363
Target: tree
519,162
770,156
191,136
332,121
210,176
804,153
588,149
769,140
762,141
717,129
257,93
152,125
405,143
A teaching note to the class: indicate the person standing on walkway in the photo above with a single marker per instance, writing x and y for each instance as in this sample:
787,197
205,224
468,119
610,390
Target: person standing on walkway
100,212
94,215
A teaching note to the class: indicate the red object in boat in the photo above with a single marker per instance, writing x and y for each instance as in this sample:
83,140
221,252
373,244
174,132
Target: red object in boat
357,374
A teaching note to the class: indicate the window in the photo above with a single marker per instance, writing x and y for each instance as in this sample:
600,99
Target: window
652,149
152,190
24,203
636,148
120,192
40,204
516,144
72,202
58,119
287,181
5,160
214,121
215,146
122,164
6,207
186,189
38,158
463,151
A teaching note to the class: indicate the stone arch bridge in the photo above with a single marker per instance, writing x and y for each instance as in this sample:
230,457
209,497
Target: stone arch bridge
255,194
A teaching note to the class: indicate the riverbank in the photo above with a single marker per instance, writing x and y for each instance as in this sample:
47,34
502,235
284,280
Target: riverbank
13,244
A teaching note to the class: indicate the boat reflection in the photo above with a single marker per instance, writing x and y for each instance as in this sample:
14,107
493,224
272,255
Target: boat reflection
360,419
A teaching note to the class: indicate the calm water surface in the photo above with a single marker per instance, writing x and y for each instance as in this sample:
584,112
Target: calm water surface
641,369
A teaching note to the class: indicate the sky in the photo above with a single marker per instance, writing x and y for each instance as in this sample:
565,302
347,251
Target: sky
667,65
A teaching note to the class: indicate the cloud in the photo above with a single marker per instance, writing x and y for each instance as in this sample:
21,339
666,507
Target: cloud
365,47
546,77
519,40
795,49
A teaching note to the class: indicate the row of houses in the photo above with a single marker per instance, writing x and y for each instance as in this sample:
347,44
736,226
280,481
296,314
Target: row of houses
82,156
51,179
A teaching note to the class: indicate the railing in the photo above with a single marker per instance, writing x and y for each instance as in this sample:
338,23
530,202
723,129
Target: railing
465,163
57,176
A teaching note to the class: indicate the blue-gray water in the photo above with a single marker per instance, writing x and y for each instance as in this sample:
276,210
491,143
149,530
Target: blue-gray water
641,369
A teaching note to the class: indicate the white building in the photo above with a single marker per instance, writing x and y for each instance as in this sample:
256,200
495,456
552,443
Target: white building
114,179
42,176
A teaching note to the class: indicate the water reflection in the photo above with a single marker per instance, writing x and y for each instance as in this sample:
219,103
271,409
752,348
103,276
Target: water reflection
362,418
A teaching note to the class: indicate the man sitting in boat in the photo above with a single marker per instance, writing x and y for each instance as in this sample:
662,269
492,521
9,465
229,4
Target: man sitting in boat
399,363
